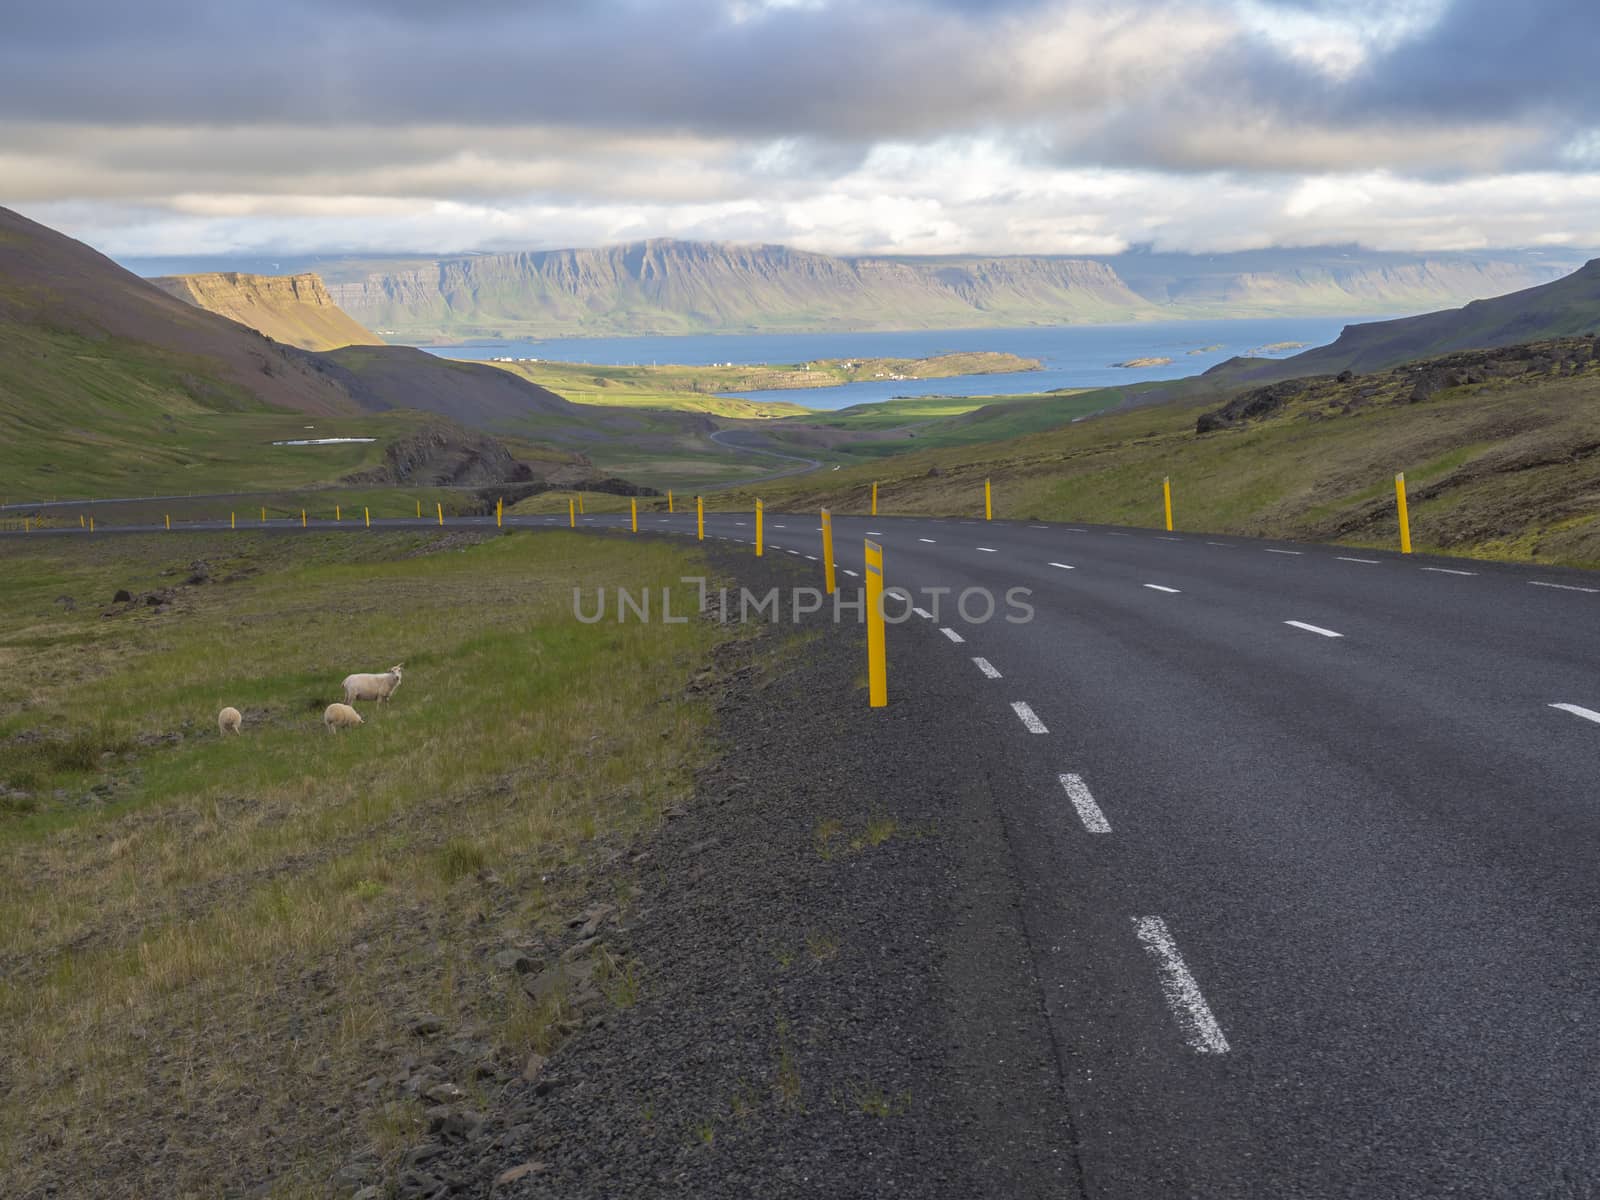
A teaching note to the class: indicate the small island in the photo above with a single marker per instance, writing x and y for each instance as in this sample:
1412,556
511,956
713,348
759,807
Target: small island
1144,362
1206,349
1278,348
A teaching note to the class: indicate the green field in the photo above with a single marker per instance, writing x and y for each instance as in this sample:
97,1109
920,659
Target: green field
237,931
1503,468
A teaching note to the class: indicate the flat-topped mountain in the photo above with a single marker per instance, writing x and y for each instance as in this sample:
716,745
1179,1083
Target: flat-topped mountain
664,286
293,309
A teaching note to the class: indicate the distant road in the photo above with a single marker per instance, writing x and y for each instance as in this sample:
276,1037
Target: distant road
807,464
1304,839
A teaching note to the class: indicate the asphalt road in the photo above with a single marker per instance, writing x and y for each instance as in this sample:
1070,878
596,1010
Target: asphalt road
1308,853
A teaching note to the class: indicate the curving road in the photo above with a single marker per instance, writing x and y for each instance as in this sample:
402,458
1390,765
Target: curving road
1306,840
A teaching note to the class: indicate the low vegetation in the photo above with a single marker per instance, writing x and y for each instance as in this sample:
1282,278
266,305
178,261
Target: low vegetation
1499,452
216,951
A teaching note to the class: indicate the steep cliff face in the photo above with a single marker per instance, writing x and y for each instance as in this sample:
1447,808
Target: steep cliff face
294,309
666,286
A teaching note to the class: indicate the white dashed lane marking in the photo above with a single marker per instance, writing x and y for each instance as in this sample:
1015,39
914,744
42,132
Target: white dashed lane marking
984,665
1294,552
1064,566
988,550
1026,716
1447,571
951,634
1565,587
923,613
1156,587
1088,811
1189,1007
1328,633
851,573
1371,562
1588,714
930,541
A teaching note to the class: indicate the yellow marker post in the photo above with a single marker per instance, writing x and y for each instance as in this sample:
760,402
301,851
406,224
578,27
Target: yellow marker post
169,520
263,516
233,520
499,511
1166,500
700,518
988,502
367,513
580,504
669,501
338,514
81,525
827,552
877,666
91,524
1405,513
761,539
633,506
419,510
572,513
302,518
440,508
874,497
25,527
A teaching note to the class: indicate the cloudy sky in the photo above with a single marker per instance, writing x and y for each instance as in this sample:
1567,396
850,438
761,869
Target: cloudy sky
170,127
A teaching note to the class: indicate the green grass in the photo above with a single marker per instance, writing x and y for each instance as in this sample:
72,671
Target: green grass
1505,468
189,922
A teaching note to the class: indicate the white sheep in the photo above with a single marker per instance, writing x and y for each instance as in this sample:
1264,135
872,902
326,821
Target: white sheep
372,687
340,716
229,721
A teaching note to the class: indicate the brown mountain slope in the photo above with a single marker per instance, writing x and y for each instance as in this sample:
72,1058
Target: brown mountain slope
293,309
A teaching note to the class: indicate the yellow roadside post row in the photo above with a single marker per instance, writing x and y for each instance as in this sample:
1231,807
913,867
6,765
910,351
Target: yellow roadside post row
761,543
988,502
633,507
1405,513
827,552
877,667
1166,500
700,518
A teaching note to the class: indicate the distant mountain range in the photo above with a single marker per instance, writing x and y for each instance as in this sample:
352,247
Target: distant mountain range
665,286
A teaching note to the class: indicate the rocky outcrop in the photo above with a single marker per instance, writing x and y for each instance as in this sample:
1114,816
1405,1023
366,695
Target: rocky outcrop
294,309
442,456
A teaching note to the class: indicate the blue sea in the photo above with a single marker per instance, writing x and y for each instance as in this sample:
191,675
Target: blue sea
1074,356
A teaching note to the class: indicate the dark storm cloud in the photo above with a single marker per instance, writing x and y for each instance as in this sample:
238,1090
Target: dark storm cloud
1187,86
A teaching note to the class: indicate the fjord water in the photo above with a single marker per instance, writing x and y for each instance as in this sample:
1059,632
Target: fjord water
1074,356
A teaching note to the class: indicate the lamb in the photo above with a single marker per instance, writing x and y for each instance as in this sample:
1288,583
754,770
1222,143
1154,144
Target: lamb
229,721
341,716
372,687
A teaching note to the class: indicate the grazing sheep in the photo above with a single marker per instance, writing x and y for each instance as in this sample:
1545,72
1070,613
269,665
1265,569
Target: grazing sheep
229,721
372,687
340,716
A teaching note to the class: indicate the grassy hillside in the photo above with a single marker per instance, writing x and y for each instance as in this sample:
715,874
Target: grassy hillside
1499,449
293,309
1567,307
204,938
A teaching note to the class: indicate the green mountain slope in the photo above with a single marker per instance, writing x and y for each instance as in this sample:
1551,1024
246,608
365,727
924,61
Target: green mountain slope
1568,306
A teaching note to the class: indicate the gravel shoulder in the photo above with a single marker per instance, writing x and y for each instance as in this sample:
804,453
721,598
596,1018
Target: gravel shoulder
816,977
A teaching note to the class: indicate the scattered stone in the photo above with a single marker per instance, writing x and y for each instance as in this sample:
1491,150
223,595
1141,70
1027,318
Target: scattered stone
534,1068
426,1025
123,596
444,1093
67,602
418,1155
514,960
520,1171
